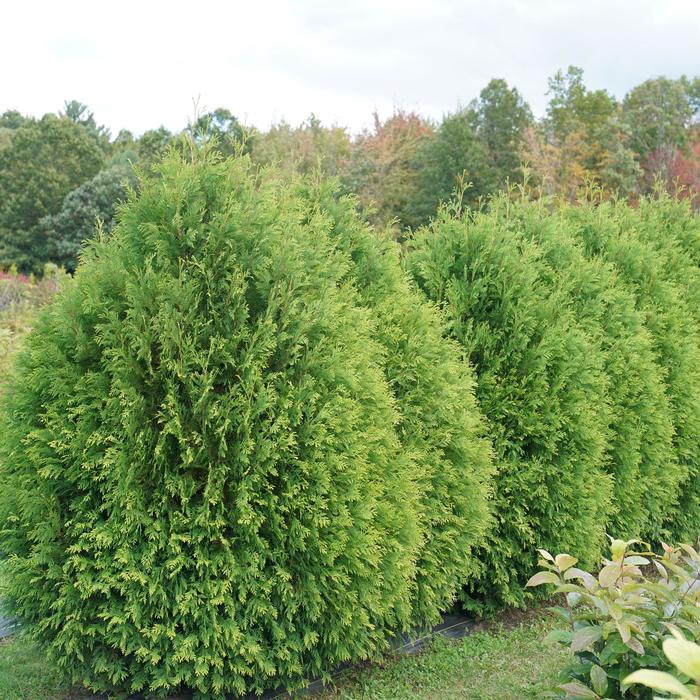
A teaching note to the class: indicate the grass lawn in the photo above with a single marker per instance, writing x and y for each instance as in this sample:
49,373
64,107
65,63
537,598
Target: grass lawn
506,660
24,674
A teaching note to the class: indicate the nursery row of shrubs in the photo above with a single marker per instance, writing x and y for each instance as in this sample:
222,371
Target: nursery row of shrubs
253,438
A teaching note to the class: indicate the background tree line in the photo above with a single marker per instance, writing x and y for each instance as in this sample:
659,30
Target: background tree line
60,173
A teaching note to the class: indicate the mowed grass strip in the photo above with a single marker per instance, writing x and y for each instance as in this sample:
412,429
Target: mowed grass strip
25,673
505,660
508,659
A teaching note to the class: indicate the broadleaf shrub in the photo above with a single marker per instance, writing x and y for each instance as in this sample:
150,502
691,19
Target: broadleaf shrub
541,385
209,479
685,656
616,622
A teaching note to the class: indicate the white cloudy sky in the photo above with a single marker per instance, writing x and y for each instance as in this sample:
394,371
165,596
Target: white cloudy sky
142,64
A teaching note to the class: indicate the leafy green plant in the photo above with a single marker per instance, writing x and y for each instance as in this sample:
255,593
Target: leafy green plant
614,232
616,621
640,447
685,656
439,422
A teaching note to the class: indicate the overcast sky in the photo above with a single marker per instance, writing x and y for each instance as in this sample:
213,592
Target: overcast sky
142,64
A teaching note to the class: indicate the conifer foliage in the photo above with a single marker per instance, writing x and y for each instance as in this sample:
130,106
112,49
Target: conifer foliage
541,385
661,292
209,480
640,450
439,424
248,442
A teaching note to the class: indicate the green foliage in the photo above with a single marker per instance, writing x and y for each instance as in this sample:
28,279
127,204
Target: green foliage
303,149
94,201
153,145
12,119
222,126
585,139
611,230
641,430
208,480
474,151
454,158
685,656
541,385
439,422
659,112
501,119
571,104
616,621
671,227
45,160
80,114
380,169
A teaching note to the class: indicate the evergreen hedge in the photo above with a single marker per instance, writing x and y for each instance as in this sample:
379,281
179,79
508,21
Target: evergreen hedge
612,230
673,230
641,431
207,478
245,445
440,424
541,385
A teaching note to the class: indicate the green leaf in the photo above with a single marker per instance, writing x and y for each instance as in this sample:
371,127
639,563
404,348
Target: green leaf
561,612
624,630
618,548
541,578
563,636
691,552
577,690
684,655
659,681
573,598
599,679
546,555
608,575
636,560
635,645
584,637
564,561
588,579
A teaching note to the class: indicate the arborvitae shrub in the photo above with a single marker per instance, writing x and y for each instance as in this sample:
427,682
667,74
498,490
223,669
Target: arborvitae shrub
204,482
671,227
641,430
612,231
668,217
540,385
439,423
